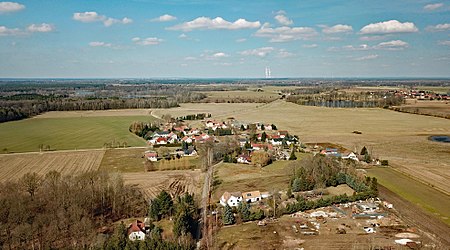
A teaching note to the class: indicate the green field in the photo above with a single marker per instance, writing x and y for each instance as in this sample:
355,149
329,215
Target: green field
68,133
416,192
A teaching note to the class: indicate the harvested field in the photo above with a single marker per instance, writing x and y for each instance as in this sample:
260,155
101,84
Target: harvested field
95,113
430,108
241,96
68,133
175,182
14,166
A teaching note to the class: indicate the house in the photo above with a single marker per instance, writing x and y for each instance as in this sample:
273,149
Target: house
330,152
367,207
190,152
261,146
161,141
252,196
136,231
244,159
282,133
232,199
265,195
151,156
351,156
187,139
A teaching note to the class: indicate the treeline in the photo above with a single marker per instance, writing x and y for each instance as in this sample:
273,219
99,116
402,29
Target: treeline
336,99
199,116
64,212
11,110
142,129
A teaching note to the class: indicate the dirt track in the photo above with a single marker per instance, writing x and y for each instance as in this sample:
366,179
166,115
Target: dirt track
415,216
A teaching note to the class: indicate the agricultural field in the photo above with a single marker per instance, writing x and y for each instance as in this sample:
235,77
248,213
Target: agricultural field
241,96
431,108
124,160
69,131
175,182
14,166
414,191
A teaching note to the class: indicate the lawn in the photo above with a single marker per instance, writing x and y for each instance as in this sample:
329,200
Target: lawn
241,177
416,192
68,133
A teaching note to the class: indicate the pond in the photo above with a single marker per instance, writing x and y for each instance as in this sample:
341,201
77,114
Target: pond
440,138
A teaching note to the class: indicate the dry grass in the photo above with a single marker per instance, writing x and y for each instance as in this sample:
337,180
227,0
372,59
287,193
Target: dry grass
175,182
250,95
339,190
14,166
124,160
95,113
431,108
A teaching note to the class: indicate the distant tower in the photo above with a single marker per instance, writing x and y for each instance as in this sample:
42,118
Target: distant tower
268,73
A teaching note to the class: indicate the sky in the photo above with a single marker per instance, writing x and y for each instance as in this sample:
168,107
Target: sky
224,39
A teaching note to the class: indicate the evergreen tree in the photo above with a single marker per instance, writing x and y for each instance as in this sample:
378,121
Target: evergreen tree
165,202
262,127
227,216
363,151
296,185
274,127
263,137
181,225
244,211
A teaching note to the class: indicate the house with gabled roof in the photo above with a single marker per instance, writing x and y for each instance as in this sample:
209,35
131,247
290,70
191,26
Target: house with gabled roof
136,231
232,199
252,196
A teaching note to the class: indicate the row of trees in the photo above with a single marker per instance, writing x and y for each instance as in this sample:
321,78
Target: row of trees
199,116
55,211
243,212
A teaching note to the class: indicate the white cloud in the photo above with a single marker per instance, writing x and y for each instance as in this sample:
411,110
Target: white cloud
445,43
283,20
389,27
282,53
4,31
92,16
182,36
392,45
218,23
439,27
164,18
43,27
338,28
190,58
10,7
434,6
261,52
364,58
372,38
241,40
310,46
220,55
100,44
285,34
147,41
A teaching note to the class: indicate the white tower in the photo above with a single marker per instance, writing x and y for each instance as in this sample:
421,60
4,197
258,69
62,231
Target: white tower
268,73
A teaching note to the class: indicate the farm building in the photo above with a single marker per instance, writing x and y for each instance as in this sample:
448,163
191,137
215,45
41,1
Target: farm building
368,207
252,196
232,199
136,231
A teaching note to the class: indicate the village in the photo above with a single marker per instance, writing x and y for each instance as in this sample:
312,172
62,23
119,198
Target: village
337,208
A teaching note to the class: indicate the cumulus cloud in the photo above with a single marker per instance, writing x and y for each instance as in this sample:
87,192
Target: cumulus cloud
4,31
364,58
338,28
389,27
261,52
439,27
285,34
43,28
218,23
392,45
6,7
92,16
147,41
434,6
445,43
164,18
283,19
100,44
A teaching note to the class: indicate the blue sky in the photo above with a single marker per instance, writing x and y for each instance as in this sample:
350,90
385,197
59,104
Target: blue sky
199,38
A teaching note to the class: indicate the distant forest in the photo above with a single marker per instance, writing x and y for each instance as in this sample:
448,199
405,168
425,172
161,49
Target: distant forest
23,98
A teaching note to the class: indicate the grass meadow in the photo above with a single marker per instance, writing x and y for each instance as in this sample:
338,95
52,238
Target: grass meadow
68,133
